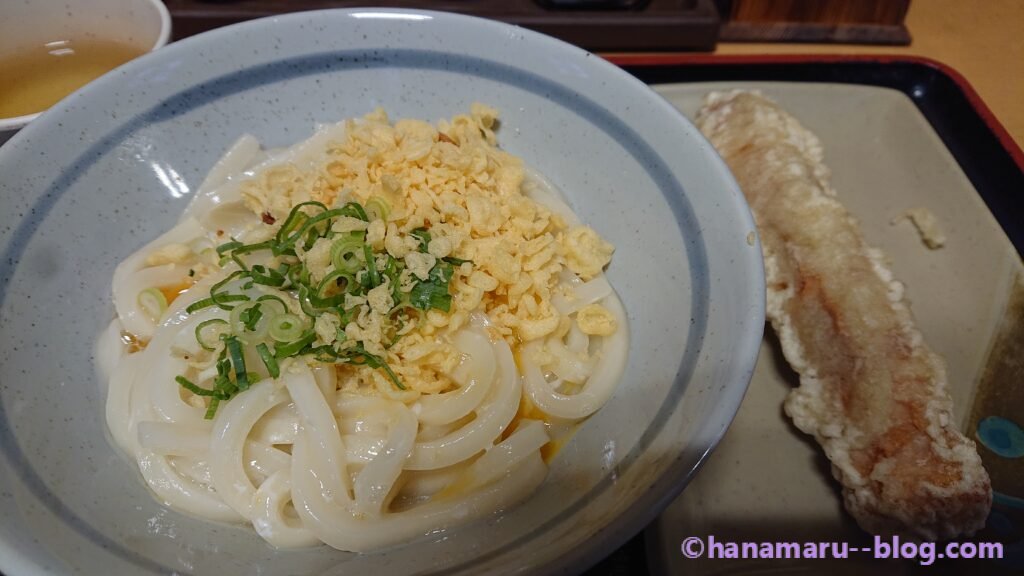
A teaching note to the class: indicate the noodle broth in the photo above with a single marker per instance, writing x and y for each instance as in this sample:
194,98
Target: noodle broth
38,77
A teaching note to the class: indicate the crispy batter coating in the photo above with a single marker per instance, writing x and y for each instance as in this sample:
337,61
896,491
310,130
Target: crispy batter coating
871,391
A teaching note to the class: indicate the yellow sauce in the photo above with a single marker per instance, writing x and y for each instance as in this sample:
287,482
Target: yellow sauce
36,78
527,411
171,293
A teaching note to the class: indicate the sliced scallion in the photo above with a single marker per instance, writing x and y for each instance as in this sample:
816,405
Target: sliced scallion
346,252
153,303
212,408
210,331
207,302
377,208
292,348
219,297
191,387
248,323
237,362
371,266
268,359
285,327
272,304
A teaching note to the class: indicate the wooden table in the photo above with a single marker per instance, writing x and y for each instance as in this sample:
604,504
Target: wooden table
984,41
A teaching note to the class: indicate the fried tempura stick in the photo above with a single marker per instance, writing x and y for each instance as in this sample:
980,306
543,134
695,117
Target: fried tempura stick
871,391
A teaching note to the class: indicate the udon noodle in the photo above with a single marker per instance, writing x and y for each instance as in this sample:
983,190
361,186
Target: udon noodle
376,334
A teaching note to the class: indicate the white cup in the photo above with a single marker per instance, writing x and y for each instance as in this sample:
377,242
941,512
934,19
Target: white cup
141,24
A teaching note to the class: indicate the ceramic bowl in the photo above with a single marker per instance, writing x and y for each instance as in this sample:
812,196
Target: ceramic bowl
112,167
141,24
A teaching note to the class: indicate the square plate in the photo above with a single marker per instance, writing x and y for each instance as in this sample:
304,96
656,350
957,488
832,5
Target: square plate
767,481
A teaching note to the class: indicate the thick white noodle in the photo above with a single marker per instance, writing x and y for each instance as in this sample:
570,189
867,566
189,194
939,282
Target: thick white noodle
319,424
474,376
540,190
278,426
108,351
194,469
305,458
362,448
127,283
338,527
598,388
169,439
418,487
165,392
181,492
501,459
214,190
327,381
233,218
193,441
491,420
231,427
576,340
567,365
584,294
119,405
269,518
265,459
376,479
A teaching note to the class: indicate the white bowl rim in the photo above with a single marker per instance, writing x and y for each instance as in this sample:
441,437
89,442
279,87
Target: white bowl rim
162,37
674,478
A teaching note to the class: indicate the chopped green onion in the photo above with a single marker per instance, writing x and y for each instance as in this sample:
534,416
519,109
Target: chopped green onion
207,302
354,210
203,332
262,275
354,270
306,302
391,375
245,322
334,280
219,298
296,218
311,237
267,300
265,245
308,225
433,292
250,317
153,303
371,266
359,356
212,408
423,235
325,353
298,275
188,385
228,246
285,327
237,362
268,359
345,253
377,208
293,348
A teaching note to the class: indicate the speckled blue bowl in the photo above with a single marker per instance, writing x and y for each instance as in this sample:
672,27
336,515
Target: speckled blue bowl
113,165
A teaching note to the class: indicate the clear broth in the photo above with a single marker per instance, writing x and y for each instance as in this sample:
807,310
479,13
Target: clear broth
34,79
